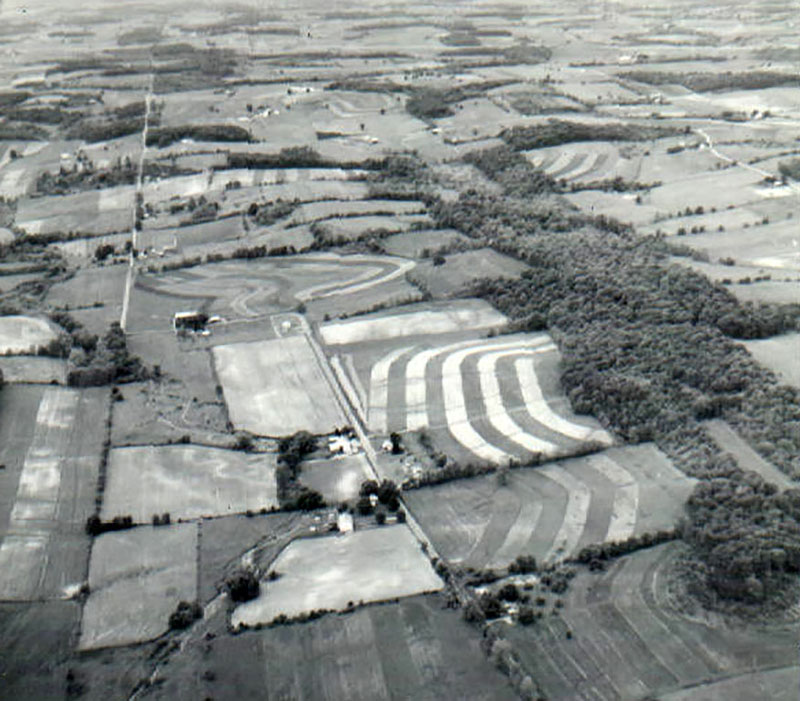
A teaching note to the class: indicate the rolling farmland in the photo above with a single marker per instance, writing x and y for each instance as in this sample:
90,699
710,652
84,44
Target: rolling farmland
365,352
553,511
629,639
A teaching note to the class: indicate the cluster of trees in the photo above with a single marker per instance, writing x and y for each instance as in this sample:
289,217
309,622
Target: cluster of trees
596,555
268,213
102,361
433,103
243,585
790,169
95,526
748,534
558,131
718,80
388,494
292,450
185,614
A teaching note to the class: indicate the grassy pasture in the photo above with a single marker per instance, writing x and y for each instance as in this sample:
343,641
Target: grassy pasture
187,482
629,639
137,577
337,479
778,684
24,334
351,228
414,243
460,269
328,572
275,388
552,512
34,369
225,541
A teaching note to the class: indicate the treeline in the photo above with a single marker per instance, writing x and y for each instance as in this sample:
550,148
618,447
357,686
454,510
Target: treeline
790,169
707,82
433,103
557,131
164,136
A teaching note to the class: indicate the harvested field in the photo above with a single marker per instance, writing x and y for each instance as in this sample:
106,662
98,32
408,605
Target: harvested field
629,639
780,354
433,319
52,439
316,211
552,512
495,400
328,572
337,479
275,388
137,577
24,334
187,482
415,649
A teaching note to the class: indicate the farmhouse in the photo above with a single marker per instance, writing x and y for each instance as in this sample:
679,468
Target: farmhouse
189,320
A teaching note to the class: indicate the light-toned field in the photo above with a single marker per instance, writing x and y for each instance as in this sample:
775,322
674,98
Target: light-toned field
136,578
433,319
630,639
275,388
315,211
91,212
780,354
328,572
24,334
552,512
351,228
337,479
187,482
495,400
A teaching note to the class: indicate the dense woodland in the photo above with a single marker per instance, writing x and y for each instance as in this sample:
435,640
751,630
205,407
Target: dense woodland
648,348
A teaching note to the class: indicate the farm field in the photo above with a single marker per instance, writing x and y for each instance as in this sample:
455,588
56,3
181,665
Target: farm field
629,639
337,479
553,511
51,449
29,368
292,393
376,565
415,648
137,577
187,482
491,399
413,320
